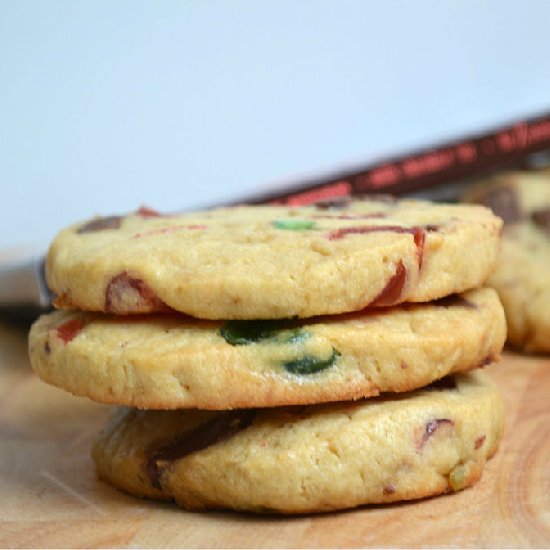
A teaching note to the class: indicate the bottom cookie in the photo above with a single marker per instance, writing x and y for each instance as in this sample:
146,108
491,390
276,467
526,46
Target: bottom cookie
307,458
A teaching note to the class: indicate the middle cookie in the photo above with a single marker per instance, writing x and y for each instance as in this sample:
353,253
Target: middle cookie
171,361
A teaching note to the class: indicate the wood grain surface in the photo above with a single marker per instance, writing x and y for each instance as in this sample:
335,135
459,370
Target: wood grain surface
52,498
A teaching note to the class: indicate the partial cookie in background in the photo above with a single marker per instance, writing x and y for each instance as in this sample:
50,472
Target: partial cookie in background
270,262
522,275
514,196
169,361
309,458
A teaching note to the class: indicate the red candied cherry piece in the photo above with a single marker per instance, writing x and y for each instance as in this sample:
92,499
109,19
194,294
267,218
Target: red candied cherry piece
127,294
419,236
69,330
431,427
479,441
146,212
391,293
363,229
418,233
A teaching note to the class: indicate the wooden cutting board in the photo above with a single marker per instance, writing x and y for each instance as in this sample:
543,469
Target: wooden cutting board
50,496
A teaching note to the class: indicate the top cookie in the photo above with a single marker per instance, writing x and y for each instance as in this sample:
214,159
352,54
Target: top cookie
267,262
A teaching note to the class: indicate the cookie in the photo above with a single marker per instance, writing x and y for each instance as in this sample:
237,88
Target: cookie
522,273
169,361
310,458
516,197
270,262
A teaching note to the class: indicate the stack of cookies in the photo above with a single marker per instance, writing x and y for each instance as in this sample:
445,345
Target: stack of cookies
279,359
522,200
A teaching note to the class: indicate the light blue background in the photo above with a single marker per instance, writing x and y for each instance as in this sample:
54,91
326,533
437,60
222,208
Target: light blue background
107,105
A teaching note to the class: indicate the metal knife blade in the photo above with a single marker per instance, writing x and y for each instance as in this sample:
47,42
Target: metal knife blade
23,289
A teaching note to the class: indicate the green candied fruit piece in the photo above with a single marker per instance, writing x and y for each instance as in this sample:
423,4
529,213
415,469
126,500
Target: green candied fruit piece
294,225
457,478
243,333
310,364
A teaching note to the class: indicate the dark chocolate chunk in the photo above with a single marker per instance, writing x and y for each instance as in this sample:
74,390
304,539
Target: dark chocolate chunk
431,427
541,218
503,201
310,364
391,293
221,428
100,224
127,294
